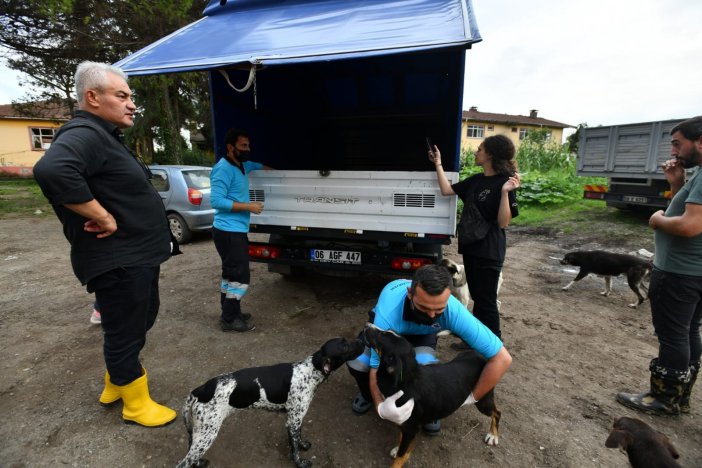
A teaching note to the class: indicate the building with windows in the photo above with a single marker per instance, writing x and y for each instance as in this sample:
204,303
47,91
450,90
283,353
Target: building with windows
26,131
478,125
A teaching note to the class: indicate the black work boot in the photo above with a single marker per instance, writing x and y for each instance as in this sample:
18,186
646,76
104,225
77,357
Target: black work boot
667,386
231,307
685,399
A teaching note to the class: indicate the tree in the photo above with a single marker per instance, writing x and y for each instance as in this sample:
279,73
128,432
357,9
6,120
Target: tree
48,38
573,140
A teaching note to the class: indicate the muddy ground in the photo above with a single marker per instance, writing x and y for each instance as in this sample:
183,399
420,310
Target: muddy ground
572,352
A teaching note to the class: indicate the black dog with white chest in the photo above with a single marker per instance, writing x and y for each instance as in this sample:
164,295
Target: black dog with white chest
608,264
438,389
287,387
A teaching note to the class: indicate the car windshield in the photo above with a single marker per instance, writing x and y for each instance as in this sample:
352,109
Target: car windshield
197,179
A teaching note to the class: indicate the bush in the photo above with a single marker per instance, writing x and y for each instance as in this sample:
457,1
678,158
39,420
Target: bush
548,172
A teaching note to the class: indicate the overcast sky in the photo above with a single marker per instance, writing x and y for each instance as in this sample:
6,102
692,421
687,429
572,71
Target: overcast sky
601,62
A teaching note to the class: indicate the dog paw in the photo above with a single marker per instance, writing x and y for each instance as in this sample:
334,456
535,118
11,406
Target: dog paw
304,445
492,439
393,452
634,305
605,293
565,288
303,464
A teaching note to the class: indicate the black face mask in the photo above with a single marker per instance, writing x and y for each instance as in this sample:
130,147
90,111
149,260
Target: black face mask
243,156
410,314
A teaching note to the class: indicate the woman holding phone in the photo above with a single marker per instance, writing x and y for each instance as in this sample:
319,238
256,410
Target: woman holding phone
492,192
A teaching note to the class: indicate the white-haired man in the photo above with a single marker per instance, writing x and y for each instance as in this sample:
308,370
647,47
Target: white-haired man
116,225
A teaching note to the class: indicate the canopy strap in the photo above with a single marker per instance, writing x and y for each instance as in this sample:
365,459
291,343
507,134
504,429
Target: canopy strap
252,79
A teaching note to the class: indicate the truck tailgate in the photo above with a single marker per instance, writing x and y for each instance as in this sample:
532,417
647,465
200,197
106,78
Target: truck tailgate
390,201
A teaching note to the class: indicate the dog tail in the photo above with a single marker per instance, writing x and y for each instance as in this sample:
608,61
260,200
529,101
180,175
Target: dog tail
188,416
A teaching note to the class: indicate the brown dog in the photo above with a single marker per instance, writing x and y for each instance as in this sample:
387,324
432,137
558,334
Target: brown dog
646,447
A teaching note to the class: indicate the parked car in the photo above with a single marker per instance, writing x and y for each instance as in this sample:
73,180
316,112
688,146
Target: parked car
185,191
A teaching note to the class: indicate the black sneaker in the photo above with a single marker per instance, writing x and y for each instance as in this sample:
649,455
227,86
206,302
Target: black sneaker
237,325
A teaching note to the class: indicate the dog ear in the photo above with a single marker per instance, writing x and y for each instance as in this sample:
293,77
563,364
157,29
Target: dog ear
668,445
617,438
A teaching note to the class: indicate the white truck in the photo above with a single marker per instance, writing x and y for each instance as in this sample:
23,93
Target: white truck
630,156
340,98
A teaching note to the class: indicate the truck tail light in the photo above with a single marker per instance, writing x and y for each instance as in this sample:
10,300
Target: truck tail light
263,251
594,195
408,264
194,196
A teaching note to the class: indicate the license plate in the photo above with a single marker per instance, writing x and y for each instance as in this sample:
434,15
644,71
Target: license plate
629,198
335,256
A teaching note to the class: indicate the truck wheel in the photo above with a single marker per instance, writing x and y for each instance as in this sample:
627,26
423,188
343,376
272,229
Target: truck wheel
179,228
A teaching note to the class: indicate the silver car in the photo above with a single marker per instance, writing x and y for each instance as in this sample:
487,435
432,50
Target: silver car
185,191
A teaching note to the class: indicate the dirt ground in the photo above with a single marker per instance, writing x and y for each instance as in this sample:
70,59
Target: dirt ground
572,352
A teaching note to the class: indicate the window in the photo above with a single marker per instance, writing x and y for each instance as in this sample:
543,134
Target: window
514,129
491,128
475,131
41,138
523,133
547,135
159,180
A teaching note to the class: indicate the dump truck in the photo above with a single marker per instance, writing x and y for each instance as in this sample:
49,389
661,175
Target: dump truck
339,98
630,157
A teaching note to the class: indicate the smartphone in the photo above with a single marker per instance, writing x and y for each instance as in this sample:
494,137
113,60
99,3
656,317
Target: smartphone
430,145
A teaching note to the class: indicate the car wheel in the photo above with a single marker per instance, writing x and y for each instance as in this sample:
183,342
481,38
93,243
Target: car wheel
179,229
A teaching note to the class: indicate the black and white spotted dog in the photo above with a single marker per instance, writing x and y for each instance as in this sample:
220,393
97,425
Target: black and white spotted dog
287,387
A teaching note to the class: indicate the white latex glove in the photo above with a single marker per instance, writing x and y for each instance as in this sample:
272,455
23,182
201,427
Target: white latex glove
390,412
470,400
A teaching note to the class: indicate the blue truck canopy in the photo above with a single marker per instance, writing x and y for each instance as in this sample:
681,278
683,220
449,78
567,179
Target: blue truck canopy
271,32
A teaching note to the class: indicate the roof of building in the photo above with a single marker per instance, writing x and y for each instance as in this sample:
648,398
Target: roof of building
37,110
473,115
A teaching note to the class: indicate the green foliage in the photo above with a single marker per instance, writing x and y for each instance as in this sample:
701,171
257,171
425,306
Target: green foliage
573,140
587,218
547,169
548,187
46,39
22,197
537,153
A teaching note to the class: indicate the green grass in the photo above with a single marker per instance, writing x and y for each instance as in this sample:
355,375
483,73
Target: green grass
21,198
591,219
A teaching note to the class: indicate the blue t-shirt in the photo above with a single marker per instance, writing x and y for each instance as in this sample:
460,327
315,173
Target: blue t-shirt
230,184
676,254
456,318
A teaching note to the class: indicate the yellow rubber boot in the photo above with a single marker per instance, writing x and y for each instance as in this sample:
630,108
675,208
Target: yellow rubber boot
139,408
110,394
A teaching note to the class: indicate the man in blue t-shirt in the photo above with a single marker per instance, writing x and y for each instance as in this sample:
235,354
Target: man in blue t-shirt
675,290
418,310
230,198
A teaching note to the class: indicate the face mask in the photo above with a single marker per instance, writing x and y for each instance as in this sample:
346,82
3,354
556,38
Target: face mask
243,156
413,315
